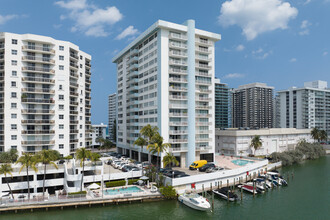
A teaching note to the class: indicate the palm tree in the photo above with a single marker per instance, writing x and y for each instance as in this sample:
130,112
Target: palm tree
47,157
82,154
6,169
27,161
315,134
140,141
100,140
94,158
169,159
241,152
256,143
157,146
149,132
323,135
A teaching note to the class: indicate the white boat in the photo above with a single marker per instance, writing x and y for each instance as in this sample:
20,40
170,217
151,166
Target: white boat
195,201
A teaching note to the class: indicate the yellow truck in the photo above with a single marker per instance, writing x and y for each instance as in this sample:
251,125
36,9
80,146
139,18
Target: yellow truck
197,164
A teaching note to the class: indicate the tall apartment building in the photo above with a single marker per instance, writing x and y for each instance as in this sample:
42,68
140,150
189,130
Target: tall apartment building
305,107
222,104
45,94
253,106
166,79
98,131
112,114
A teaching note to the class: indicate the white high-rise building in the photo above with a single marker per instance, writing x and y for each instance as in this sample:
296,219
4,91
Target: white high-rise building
166,79
98,131
44,94
306,107
112,108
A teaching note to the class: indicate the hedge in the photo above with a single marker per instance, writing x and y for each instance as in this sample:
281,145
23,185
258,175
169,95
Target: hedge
120,183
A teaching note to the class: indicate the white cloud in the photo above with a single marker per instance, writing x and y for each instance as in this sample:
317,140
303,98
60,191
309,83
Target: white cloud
325,53
233,76
240,47
257,16
88,18
261,54
129,31
292,60
307,2
305,24
5,18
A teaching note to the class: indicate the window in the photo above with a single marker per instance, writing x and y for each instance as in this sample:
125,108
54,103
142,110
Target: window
14,95
81,109
80,118
14,137
60,87
14,62
13,52
61,67
13,126
13,84
61,146
80,144
61,97
13,147
61,116
61,47
61,136
81,101
61,126
61,57
80,65
80,126
81,57
80,134
14,73
13,41
61,107
13,115
80,74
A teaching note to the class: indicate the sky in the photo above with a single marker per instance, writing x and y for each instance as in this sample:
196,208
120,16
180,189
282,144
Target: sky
283,43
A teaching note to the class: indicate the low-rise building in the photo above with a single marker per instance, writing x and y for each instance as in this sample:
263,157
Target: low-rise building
237,142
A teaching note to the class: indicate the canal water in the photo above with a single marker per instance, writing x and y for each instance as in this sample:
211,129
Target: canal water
306,197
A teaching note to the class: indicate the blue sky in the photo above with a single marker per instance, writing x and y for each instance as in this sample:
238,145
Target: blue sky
280,42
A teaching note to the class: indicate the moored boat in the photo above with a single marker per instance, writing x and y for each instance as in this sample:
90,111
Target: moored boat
226,194
195,201
248,188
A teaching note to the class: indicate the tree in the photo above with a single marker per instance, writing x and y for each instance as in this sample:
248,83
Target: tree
241,152
157,146
148,132
82,154
100,140
47,157
169,159
323,135
9,156
315,134
141,142
94,158
114,131
6,169
256,143
27,161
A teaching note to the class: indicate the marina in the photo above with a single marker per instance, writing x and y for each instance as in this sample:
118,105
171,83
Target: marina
286,202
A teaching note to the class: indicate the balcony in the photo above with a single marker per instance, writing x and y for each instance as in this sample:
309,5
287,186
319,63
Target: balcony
203,123
204,82
73,65
73,122
74,75
73,112
37,69
203,66
37,142
74,94
74,131
38,132
203,50
39,101
199,41
179,46
88,114
178,132
177,71
37,111
88,97
88,106
40,49
74,84
38,79
177,88
178,140
184,106
183,123
73,55
34,90
203,107
73,140
199,90
203,115
177,79
87,72
203,99
178,97
175,53
36,121
177,62
74,103
88,81
177,36
178,114
198,73
203,139
35,59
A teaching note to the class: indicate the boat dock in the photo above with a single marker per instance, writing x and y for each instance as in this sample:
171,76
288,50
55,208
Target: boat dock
79,203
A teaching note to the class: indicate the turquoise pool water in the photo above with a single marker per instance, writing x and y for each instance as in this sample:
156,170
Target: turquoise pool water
131,189
241,162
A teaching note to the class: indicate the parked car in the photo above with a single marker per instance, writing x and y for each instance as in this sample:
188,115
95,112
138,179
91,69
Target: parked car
206,166
117,164
213,169
126,168
121,165
113,154
118,156
61,161
181,175
146,164
114,162
164,170
138,164
173,173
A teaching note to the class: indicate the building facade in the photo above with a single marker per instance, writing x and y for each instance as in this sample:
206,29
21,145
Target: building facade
306,107
112,108
222,105
165,77
237,142
45,94
253,106
98,131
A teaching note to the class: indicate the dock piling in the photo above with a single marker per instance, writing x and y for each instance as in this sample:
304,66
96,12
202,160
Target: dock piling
212,201
203,190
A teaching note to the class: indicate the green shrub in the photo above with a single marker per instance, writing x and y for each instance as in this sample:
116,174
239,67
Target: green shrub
80,193
168,192
120,183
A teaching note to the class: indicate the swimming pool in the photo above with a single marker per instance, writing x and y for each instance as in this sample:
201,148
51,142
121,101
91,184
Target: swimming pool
124,190
241,162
